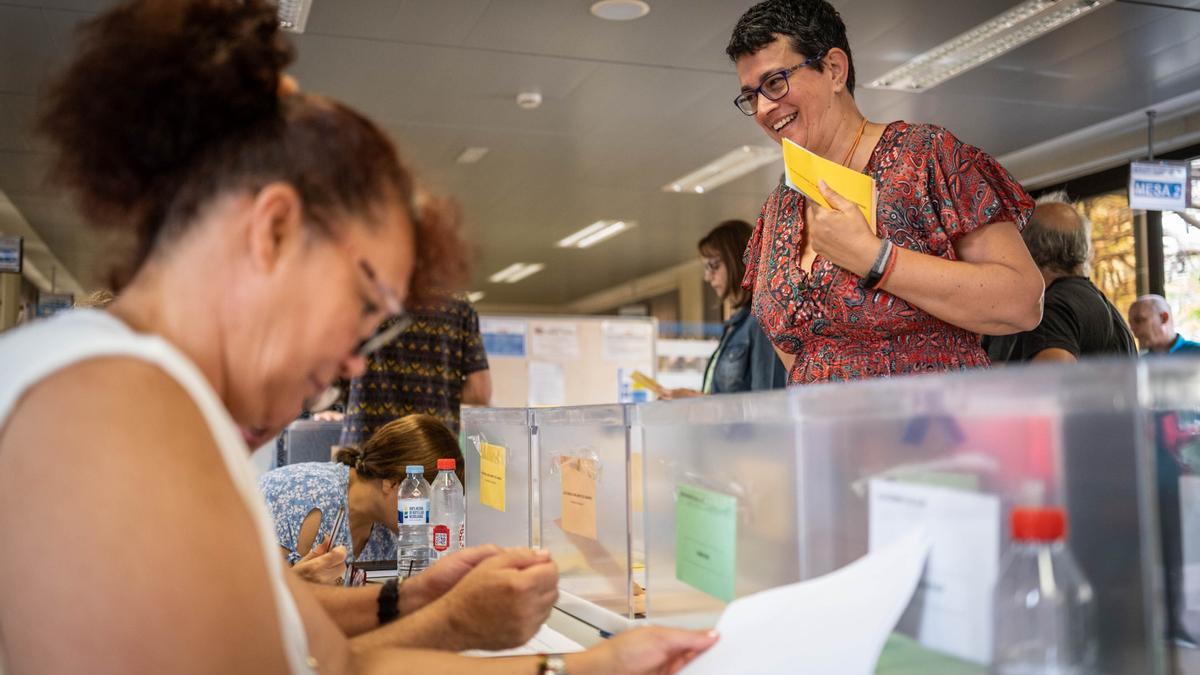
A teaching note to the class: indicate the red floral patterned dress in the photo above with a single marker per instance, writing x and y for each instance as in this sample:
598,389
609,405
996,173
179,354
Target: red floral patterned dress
933,190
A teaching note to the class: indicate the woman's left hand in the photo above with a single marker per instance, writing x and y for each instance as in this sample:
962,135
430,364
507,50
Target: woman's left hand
322,565
842,234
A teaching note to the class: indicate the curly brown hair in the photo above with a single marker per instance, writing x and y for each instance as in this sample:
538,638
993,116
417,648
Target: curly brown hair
168,105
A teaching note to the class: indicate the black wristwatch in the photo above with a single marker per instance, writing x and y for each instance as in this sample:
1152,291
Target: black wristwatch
389,601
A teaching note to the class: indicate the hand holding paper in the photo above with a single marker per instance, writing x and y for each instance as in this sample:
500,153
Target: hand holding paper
841,234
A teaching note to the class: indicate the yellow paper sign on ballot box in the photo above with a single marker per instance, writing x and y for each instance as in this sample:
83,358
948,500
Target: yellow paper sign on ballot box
492,460
804,169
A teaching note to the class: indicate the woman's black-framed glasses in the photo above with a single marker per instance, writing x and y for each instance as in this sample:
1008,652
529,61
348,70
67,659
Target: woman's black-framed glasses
774,87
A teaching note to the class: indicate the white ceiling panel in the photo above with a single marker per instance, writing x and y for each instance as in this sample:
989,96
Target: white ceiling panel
628,106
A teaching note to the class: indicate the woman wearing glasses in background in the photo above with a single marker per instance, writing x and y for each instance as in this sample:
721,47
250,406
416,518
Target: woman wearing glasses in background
277,230
839,299
744,359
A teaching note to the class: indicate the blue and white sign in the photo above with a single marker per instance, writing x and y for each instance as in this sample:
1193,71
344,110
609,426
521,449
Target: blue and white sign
49,304
1158,186
10,254
503,337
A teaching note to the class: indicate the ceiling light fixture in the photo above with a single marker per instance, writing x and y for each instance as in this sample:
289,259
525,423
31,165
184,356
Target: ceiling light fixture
516,272
293,14
529,270
1025,22
595,233
475,296
472,155
728,167
620,10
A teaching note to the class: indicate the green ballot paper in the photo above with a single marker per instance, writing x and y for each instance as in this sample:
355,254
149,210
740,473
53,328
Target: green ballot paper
706,540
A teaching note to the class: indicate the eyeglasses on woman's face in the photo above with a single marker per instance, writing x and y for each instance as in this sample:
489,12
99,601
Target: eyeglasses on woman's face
774,86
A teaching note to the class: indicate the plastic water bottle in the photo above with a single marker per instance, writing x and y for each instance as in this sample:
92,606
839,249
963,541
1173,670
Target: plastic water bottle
413,545
449,511
1044,608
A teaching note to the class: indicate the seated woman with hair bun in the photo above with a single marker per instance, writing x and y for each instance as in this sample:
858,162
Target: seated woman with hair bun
304,498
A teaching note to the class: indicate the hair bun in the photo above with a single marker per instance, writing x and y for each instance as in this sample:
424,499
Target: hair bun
154,84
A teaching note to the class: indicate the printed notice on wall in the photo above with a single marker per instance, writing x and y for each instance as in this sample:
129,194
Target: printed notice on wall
952,608
547,383
579,476
554,340
491,475
628,342
503,337
706,540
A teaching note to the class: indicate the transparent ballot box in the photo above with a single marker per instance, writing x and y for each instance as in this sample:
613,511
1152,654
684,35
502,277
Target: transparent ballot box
747,492
498,481
1172,399
583,507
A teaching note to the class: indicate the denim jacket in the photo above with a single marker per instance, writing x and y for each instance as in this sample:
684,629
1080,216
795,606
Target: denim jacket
745,358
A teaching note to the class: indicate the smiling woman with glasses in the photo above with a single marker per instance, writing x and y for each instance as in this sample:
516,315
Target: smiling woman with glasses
839,299
276,230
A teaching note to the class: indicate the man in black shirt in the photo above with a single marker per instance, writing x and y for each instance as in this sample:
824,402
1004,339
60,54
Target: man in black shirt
1078,320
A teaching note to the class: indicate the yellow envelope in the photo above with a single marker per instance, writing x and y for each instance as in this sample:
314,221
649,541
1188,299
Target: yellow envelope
491,475
578,495
804,169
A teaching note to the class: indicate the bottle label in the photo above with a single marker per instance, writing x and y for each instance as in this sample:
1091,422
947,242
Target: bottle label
441,538
414,511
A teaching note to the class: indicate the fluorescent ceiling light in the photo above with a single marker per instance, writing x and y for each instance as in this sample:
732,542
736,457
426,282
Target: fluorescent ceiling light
527,272
728,167
516,272
596,233
475,296
293,14
1027,21
471,155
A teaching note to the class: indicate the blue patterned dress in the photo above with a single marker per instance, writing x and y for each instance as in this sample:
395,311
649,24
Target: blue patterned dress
293,491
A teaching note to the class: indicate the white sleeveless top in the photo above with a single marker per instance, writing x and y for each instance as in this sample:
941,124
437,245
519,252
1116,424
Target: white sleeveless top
33,352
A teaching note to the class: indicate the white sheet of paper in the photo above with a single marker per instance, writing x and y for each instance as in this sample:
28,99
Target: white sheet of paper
952,609
836,624
547,383
628,342
554,340
547,641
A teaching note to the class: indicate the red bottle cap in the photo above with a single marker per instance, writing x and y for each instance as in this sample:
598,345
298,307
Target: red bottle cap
1038,524
446,464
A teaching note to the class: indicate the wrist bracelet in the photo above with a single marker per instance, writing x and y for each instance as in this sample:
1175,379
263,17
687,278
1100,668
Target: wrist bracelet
389,601
881,260
888,267
551,664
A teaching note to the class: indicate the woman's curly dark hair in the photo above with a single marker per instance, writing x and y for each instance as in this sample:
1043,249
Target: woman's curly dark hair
169,104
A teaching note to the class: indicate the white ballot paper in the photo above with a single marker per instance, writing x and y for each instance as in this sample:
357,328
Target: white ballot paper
952,609
836,624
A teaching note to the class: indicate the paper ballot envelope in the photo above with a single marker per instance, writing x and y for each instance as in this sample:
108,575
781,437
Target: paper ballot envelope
804,169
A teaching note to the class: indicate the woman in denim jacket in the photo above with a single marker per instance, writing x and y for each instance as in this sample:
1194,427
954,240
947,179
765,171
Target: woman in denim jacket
744,359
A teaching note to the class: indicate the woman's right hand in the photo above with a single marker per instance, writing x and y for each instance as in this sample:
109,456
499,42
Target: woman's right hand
644,651
322,565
